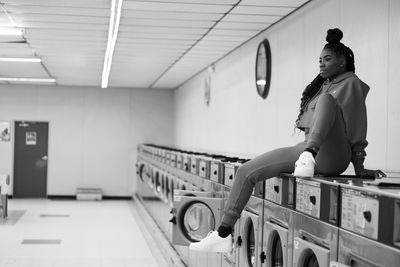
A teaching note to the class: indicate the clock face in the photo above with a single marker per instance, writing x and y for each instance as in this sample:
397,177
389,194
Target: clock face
263,68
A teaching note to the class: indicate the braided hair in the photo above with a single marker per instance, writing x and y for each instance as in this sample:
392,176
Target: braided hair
333,38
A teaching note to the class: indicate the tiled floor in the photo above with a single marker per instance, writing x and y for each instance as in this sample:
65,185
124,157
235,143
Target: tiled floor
46,233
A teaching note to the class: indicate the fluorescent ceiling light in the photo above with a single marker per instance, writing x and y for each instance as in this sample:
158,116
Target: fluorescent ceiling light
11,31
16,59
115,17
35,80
261,82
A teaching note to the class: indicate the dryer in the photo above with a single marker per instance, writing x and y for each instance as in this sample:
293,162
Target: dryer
315,223
250,235
278,221
195,214
369,233
143,171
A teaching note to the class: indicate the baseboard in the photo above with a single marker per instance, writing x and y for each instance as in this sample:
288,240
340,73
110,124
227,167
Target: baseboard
69,197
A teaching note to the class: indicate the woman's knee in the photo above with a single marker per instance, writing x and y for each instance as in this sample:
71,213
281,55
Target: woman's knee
245,174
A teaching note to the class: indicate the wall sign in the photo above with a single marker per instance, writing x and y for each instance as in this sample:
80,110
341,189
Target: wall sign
5,131
30,138
263,68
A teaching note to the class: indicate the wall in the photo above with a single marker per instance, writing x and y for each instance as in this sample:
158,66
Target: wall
239,122
93,133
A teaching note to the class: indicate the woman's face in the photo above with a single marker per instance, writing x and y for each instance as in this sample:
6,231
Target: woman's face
330,65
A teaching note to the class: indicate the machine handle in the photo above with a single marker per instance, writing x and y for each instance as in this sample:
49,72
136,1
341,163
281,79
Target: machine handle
173,220
358,259
276,222
313,200
239,241
276,189
315,239
262,257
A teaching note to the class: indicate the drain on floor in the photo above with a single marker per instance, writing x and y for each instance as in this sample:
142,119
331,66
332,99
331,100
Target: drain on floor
41,241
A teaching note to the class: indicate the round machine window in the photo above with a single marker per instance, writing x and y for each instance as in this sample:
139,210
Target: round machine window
263,68
198,221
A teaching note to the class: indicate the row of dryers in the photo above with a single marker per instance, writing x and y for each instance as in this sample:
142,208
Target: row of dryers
288,221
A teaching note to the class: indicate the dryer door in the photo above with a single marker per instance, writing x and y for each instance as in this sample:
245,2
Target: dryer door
194,216
249,235
307,254
276,244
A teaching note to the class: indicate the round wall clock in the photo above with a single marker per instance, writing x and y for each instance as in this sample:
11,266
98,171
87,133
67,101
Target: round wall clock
263,68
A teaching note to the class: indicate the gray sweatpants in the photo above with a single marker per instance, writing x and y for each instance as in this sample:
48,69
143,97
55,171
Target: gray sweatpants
326,135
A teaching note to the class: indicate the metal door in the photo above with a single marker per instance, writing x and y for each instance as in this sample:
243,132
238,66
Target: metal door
250,235
195,214
276,244
30,159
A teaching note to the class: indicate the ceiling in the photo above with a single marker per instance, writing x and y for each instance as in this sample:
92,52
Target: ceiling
159,43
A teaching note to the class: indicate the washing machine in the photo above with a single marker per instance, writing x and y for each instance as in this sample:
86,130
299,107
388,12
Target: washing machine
315,222
250,234
195,214
369,233
157,179
277,248
143,170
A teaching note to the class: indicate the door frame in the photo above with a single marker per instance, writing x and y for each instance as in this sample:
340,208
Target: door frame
13,129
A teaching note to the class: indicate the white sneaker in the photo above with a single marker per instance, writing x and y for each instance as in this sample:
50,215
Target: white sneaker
213,243
304,166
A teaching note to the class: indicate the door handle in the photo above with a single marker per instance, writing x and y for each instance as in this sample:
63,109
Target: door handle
44,157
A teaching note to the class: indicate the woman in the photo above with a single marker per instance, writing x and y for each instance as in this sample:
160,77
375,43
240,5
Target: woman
333,117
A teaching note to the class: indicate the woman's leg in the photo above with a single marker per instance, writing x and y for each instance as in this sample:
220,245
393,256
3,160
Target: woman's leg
328,137
263,167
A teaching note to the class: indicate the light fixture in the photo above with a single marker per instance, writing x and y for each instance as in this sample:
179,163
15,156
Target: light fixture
115,18
16,59
36,80
11,31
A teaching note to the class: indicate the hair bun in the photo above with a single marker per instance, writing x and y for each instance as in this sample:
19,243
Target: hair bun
334,35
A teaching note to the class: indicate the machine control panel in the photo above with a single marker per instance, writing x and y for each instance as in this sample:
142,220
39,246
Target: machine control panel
280,190
230,170
216,171
204,168
308,197
273,190
194,165
360,212
186,162
318,198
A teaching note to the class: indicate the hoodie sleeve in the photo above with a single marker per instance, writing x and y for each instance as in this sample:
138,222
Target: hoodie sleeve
352,101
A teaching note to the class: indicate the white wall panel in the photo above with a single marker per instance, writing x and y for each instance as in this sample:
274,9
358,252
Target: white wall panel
393,96
368,38
93,132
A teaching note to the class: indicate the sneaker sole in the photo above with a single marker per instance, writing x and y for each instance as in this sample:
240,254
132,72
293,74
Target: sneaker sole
303,174
211,249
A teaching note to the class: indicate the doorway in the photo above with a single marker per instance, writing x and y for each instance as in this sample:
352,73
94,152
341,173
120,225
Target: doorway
30,159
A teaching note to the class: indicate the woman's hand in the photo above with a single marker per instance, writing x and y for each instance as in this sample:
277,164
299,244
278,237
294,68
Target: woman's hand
370,173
